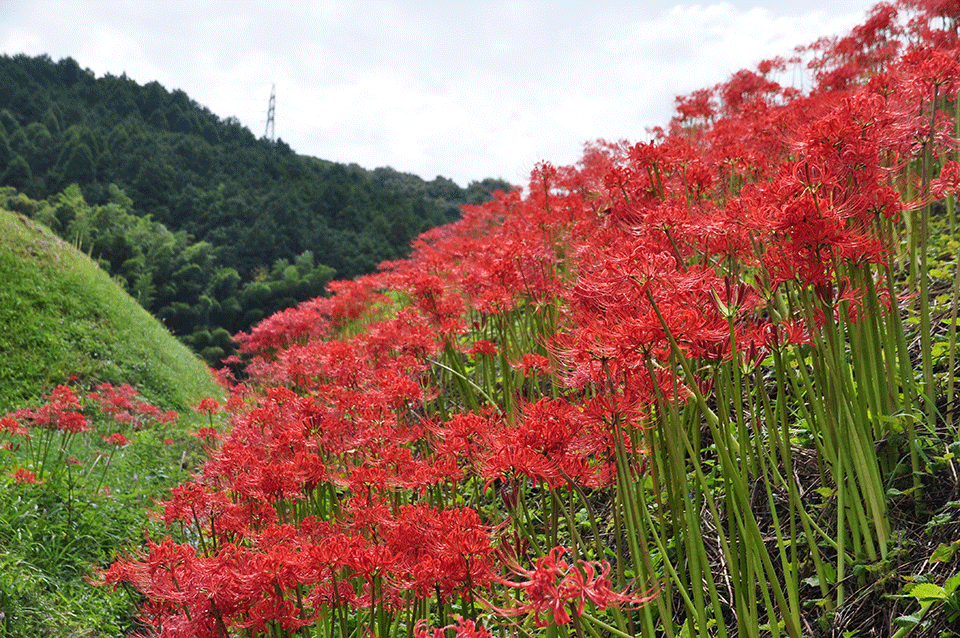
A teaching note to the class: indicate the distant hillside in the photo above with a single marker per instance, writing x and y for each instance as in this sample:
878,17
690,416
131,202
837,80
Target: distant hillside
243,211
62,316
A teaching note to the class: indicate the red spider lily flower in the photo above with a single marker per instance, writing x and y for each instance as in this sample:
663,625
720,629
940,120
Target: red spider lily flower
22,475
463,439
122,404
114,399
208,405
463,628
73,422
61,411
116,439
949,181
483,347
531,362
444,551
553,443
208,434
123,417
12,427
555,588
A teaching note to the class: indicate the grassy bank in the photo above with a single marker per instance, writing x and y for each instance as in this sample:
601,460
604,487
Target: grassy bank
75,487
63,317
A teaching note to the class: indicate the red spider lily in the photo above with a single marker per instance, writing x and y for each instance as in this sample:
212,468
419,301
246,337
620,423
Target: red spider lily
12,427
114,399
339,439
463,628
314,319
930,70
483,347
869,48
167,417
431,297
22,475
532,362
463,440
949,181
208,406
123,406
555,588
441,551
116,439
208,434
552,443
61,411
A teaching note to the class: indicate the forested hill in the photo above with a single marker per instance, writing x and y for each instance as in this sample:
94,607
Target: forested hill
208,226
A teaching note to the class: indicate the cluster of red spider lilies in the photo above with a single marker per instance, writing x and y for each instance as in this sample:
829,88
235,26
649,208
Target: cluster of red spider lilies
577,410
45,436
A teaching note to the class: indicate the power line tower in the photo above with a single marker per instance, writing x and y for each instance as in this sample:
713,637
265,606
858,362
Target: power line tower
270,133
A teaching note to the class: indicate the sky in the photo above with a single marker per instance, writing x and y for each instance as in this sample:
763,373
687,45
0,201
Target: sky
465,90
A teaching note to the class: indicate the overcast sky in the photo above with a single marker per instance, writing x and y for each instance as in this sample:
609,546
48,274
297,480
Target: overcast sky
462,89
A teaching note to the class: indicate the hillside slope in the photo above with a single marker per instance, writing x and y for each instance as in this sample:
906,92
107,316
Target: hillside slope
62,316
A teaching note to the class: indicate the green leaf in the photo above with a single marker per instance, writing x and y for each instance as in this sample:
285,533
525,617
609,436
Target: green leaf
831,573
927,592
907,621
944,552
952,583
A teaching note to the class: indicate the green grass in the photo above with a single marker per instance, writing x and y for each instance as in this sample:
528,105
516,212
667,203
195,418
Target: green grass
63,320
62,316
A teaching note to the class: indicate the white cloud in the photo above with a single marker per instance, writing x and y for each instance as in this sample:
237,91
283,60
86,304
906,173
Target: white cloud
464,90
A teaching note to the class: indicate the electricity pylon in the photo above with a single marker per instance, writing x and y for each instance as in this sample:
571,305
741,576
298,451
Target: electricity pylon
270,132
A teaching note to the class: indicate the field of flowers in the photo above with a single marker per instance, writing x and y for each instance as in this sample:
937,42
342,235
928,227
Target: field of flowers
701,386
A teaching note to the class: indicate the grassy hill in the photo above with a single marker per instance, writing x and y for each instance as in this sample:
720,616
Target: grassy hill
64,320
63,316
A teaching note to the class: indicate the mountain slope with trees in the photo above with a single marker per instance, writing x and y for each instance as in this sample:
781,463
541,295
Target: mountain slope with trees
209,227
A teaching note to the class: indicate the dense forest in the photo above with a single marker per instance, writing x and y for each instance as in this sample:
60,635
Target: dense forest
207,226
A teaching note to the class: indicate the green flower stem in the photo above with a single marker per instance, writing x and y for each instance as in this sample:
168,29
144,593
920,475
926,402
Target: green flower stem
952,335
789,565
745,521
796,503
926,348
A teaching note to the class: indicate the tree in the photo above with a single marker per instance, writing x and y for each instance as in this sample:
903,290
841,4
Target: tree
79,166
52,121
17,174
6,153
8,121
